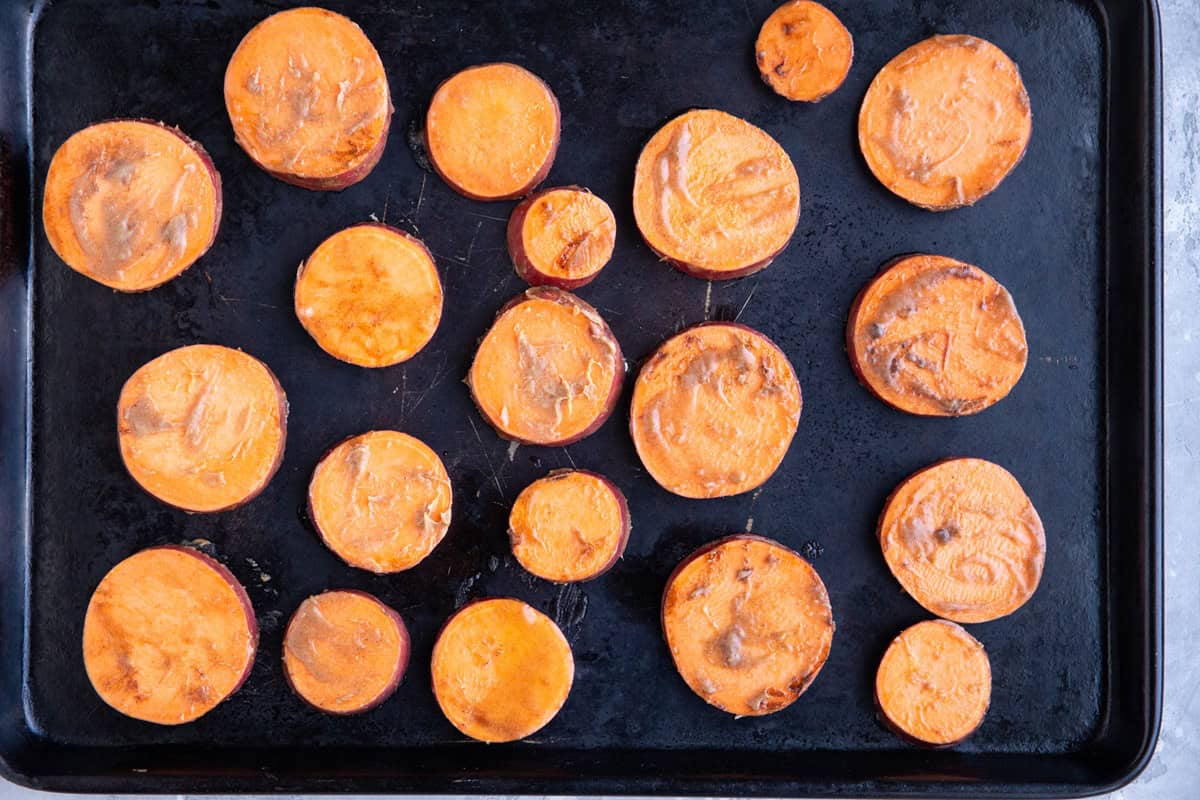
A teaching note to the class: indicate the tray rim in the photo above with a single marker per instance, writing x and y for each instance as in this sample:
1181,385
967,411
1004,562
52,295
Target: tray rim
1138,458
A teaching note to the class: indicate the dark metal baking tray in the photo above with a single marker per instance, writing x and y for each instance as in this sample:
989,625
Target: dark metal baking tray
1073,233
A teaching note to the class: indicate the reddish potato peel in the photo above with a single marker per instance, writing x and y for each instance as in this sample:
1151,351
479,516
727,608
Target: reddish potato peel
561,237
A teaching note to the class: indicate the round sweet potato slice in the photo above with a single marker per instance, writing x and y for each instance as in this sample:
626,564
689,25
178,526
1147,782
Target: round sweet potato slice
933,336
501,670
715,196
934,684
202,427
131,203
804,51
380,501
308,99
492,131
345,652
964,540
714,410
571,525
169,634
945,121
748,623
561,237
370,295
549,371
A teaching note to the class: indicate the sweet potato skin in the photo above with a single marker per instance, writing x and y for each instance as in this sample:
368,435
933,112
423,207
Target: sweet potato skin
514,236
213,174
537,178
614,394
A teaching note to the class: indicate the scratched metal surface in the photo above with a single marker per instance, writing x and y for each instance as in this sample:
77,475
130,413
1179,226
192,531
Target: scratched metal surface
619,71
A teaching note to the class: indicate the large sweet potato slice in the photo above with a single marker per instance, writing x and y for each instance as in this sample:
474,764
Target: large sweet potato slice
501,670
381,501
715,196
964,540
748,623
308,99
561,237
945,121
131,203
169,634
370,295
804,51
714,410
202,427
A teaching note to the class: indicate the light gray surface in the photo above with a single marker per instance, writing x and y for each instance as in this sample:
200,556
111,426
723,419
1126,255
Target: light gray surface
1174,774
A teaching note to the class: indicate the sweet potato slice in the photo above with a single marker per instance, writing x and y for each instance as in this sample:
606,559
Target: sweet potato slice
308,99
131,203
714,410
169,633
380,501
501,670
345,652
748,623
963,540
945,121
571,525
715,196
370,295
933,336
561,237
549,371
492,131
804,51
934,684
202,427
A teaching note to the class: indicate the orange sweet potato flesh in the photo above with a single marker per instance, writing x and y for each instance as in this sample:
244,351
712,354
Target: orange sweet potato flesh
202,427
934,684
945,121
933,336
549,371
308,99
804,51
345,652
715,196
370,295
169,633
561,237
748,623
501,670
714,411
571,525
381,501
131,203
492,131
964,540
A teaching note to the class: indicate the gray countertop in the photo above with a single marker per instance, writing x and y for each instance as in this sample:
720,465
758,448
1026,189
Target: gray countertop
1174,772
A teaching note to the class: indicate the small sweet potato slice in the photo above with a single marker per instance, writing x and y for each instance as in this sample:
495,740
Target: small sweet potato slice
561,237
964,540
804,51
934,684
945,121
933,336
380,501
202,427
714,410
131,203
501,670
748,623
169,633
492,131
370,295
715,196
345,652
308,99
571,525
549,371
